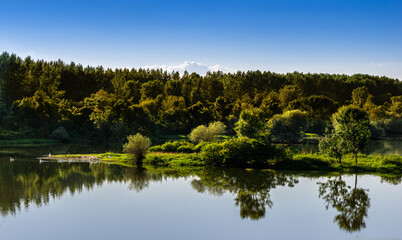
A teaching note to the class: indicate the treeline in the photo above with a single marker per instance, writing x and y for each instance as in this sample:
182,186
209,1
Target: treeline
55,99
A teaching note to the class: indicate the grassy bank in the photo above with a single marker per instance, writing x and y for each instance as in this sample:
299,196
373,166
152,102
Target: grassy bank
366,163
298,162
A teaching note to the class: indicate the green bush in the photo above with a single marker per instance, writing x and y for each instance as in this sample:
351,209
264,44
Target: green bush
251,123
211,154
171,146
137,146
203,133
174,147
157,148
198,147
288,127
61,134
242,152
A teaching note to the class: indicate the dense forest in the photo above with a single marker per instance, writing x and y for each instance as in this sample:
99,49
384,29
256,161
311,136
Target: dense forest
40,99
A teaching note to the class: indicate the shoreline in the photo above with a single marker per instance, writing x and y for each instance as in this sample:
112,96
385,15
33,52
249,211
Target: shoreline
299,162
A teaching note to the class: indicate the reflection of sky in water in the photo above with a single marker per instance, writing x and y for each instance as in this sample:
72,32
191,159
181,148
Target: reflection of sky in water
170,208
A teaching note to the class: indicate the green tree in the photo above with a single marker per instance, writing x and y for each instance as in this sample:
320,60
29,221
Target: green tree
352,127
331,145
288,127
137,145
251,123
360,95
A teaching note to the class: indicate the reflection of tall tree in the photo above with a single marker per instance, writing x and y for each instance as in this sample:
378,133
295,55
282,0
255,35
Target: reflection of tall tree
352,204
25,182
252,188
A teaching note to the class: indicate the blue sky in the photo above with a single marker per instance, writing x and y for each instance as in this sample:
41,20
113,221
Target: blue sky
344,36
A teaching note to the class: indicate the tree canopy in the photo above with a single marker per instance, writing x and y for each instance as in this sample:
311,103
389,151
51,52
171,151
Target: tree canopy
38,96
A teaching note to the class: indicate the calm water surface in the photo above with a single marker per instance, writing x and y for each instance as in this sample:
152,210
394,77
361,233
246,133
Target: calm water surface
83,201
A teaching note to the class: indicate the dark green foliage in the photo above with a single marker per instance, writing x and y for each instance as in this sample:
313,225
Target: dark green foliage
106,105
61,134
331,145
350,114
242,152
252,123
212,154
318,126
376,131
359,96
174,147
288,127
351,133
393,125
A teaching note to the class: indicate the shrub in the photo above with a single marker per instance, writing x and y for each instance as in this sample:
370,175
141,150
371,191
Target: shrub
200,146
251,123
248,152
175,146
211,154
170,146
137,146
241,152
157,148
61,134
288,127
207,134
199,134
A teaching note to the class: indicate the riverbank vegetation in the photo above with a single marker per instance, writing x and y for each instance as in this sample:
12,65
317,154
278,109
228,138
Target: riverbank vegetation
349,137
40,99
389,164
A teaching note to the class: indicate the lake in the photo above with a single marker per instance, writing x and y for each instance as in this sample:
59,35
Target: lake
99,201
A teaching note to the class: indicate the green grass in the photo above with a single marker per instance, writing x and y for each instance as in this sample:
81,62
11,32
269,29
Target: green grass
173,159
298,162
365,164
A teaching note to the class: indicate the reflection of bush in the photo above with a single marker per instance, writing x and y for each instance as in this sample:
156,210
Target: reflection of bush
251,188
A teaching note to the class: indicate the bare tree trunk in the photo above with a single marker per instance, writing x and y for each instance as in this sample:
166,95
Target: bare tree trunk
356,158
355,181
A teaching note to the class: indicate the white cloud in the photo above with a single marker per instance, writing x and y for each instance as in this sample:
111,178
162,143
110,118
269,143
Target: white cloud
190,67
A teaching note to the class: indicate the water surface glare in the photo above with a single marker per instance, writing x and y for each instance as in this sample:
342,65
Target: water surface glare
83,201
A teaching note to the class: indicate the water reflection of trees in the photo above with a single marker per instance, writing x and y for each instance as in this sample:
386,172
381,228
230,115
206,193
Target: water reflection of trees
352,204
23,183
251,187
